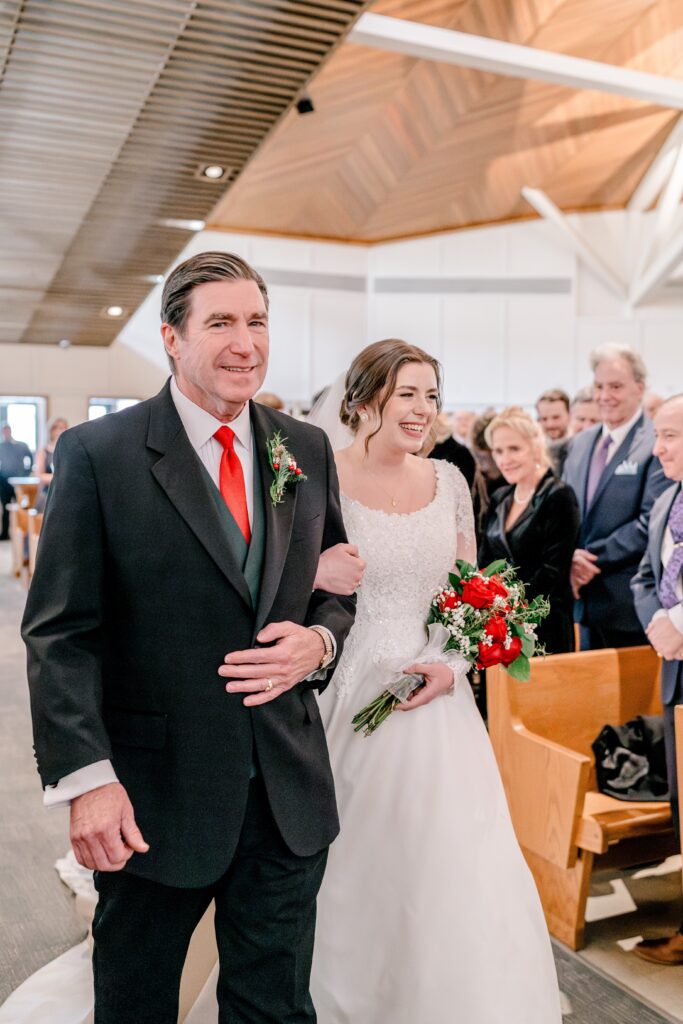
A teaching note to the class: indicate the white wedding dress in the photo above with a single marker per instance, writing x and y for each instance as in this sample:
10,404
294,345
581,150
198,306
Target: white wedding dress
428,913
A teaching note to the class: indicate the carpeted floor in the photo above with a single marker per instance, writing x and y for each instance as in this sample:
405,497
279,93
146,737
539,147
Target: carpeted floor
592,998
37,916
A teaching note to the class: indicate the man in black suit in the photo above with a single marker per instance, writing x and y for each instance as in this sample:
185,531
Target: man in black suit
174,640
616,479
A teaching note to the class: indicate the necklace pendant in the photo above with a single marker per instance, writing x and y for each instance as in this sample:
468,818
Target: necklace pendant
394,502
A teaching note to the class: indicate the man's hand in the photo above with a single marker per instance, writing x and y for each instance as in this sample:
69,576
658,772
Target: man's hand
665,638
438,679
340,570
297,652
104,835
583,569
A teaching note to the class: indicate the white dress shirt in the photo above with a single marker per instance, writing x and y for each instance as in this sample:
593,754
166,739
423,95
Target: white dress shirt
200,426
618,434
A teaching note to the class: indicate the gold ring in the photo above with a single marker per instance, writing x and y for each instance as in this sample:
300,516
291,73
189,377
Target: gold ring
269,686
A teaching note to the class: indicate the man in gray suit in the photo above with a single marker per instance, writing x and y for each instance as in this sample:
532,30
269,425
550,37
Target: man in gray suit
616,478
658,594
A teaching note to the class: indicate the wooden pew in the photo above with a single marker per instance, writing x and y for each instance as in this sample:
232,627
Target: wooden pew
18,532
541,733
679,759
35,522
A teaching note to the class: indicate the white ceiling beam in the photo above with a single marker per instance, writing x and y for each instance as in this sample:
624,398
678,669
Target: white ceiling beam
544,205
659,171
429,42
659,270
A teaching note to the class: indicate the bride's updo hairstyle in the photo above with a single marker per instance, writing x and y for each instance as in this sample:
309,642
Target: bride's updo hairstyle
528,429
371,379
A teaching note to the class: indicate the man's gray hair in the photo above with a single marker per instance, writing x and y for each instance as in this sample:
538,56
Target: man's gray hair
583,395
202,269
672,398
608,353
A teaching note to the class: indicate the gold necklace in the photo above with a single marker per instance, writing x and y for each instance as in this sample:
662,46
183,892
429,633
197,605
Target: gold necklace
392,498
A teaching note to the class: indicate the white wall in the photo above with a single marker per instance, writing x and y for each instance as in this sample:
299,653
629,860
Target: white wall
509,310
67,378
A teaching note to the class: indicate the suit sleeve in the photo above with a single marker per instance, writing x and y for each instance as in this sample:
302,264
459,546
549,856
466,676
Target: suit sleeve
630,539
557,538
62,625
333,611
644,590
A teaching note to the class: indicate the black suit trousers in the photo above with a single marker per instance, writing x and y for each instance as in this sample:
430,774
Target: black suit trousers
265,926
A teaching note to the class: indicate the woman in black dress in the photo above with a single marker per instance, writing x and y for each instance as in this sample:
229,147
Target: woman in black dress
533,522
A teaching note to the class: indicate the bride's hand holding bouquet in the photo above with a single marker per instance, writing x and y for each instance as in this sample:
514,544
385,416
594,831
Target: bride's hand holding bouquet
480,618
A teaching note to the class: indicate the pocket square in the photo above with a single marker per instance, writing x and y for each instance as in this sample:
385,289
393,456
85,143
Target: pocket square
626,468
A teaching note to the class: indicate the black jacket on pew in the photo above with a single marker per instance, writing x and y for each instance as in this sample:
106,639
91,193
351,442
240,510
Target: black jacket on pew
540,544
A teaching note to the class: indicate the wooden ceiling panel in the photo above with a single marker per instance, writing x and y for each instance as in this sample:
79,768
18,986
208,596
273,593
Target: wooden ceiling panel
438,147
107,110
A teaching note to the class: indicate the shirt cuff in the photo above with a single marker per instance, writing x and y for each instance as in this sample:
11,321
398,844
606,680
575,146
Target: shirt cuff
321,673
676,617
101,773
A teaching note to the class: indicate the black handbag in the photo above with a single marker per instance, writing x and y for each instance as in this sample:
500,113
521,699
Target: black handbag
630,760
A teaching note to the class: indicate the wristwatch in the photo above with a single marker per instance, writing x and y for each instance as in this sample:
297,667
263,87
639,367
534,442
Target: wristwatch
328,655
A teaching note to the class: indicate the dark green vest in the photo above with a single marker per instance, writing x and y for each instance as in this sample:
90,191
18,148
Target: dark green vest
249,556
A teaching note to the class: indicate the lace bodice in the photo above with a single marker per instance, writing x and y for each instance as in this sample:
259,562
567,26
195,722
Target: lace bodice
408,556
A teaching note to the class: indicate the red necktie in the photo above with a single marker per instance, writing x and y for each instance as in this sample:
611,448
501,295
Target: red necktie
231,481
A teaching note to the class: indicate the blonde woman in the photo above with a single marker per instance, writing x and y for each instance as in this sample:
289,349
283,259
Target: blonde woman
532,521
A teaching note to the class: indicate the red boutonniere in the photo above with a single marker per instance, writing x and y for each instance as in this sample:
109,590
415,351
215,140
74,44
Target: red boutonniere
284,467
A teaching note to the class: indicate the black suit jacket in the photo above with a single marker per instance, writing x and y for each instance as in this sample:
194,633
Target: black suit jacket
135,601
541,544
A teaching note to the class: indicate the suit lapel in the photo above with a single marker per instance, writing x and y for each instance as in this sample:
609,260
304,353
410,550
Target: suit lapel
179,473
629,443
658,523
584,469
278,518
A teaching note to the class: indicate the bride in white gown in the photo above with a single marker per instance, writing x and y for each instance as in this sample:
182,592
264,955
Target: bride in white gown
428,913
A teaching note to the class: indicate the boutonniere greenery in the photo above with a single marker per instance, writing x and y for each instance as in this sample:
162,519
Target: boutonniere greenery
284,467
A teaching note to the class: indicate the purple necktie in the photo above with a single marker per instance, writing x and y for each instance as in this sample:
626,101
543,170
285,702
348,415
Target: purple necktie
672,570
597,467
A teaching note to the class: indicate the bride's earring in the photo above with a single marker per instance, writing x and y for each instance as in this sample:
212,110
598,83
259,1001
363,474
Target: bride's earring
363,416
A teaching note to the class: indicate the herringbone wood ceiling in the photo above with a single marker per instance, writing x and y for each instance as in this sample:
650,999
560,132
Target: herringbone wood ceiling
399,146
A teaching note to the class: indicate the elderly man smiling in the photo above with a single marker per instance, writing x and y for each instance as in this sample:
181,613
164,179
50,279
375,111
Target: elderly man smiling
616,479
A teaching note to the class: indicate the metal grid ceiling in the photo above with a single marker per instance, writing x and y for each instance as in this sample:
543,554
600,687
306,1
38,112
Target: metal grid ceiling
107,108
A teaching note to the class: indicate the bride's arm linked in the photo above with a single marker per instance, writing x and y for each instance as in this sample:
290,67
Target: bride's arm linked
442,676
340,570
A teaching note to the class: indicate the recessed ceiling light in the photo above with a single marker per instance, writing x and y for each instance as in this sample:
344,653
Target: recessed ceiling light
114,311
214,171
154,278
64,343
183,225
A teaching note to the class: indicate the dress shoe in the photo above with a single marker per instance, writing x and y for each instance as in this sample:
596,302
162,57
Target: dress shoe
661,951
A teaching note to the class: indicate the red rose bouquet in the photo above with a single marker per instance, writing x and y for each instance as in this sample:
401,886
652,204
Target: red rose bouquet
481,615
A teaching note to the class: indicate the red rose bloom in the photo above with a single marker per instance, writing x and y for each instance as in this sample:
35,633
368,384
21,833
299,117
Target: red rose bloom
490,655
478,593
497,587
496,628
448,601
513,651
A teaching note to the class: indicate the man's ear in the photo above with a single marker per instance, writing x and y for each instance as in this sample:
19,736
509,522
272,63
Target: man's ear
170,340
